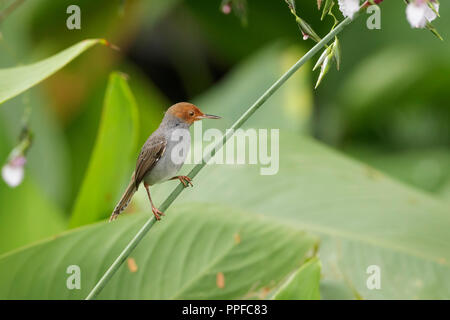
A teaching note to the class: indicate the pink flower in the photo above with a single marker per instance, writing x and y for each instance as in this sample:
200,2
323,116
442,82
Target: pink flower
13,171
305,36
419,13
226,8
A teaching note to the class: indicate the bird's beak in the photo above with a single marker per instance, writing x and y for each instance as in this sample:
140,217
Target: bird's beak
207,116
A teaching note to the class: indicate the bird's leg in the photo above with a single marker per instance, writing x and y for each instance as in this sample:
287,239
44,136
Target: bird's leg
155,211
185,180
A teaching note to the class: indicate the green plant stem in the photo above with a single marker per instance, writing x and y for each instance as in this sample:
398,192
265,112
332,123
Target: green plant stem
250,111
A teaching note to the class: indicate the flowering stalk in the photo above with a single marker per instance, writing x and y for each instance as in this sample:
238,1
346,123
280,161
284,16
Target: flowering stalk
13,171
420,14
332,53
304,27
239,122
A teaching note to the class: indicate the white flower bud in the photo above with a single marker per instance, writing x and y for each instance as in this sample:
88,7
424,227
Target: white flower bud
349,7
419,13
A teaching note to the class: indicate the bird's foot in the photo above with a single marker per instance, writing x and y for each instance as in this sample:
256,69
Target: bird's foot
185,180
157,213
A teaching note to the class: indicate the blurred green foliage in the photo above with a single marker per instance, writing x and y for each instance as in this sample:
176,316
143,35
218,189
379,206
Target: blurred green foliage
387,106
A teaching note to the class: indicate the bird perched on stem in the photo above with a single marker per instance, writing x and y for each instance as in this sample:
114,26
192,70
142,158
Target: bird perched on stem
163,154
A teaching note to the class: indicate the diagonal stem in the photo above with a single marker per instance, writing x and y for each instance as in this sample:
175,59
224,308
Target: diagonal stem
247,114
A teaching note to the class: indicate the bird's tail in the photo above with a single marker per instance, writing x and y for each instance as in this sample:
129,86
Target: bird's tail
124,201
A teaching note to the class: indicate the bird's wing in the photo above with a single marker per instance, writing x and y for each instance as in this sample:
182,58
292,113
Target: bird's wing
149,156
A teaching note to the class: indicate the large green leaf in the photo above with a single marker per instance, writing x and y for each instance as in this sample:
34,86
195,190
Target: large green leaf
196,252
428,169
112,155
15,80
27,215
363,217
304,283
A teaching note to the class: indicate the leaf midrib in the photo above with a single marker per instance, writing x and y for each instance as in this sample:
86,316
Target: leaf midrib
378,243
222,256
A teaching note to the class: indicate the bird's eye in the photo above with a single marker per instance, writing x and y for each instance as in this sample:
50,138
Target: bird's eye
191,113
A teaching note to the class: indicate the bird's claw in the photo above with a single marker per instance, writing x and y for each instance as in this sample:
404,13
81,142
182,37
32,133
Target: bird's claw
186,181
157,213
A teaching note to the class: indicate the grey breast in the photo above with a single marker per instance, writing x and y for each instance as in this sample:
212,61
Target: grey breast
178,143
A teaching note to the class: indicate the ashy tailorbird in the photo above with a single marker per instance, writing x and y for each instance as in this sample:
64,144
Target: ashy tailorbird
163,153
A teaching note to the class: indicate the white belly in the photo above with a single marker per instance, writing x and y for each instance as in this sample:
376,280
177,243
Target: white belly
172,160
